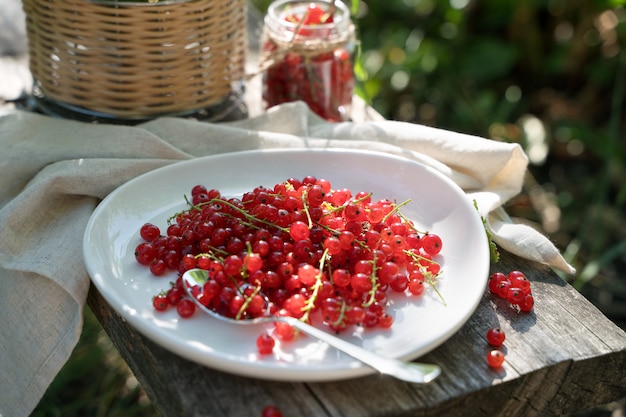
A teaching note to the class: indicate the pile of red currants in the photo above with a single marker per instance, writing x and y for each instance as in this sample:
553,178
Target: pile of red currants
301,245
514,287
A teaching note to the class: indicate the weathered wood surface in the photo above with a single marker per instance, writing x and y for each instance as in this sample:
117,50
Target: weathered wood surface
563,357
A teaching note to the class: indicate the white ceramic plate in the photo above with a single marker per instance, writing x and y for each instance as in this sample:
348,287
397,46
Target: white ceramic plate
421,324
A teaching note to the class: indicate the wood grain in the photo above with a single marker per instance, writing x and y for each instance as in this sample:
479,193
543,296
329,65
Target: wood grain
563,357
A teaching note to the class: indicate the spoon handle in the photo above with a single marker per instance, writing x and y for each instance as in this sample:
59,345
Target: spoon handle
406,371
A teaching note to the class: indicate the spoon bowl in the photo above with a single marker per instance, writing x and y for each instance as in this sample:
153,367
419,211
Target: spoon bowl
194,280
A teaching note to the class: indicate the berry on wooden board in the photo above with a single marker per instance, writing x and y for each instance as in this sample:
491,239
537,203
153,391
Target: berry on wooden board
495,337
271,411
495,358
513,287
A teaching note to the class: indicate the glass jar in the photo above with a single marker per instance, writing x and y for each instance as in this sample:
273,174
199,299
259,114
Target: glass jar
307,55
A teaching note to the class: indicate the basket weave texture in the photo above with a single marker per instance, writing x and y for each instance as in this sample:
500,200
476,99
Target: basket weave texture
137,59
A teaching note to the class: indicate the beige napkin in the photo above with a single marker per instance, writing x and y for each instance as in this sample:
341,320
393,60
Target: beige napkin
54,173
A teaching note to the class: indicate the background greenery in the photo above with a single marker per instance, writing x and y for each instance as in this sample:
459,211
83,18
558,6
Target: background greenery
548,74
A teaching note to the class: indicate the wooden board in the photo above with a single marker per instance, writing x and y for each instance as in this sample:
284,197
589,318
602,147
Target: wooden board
563,357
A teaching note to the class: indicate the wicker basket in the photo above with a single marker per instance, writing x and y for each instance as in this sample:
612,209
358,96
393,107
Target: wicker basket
136,60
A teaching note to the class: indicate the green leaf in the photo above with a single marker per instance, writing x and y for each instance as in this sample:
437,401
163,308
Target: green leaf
488,59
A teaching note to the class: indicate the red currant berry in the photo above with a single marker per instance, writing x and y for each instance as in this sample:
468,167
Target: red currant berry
519,280
341,277
188,262
527,304
494,281
204,262
149,232
144,253
495,337
232,265
299,230
271,411
174,295
265,344
431,244
503,288
514,296
159,302
495,358
284,331
416,286
253,262
198,189
361,283
385,321
186,308
158,267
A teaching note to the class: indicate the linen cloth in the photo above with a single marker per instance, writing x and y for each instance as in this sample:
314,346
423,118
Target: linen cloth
54,173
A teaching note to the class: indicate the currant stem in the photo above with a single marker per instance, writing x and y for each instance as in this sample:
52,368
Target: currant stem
396,209
342,314
306,208
246,303
433,283
213,254
247,215
429,276
310,302
372,292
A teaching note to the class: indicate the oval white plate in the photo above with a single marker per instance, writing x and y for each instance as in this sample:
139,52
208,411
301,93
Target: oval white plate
421,324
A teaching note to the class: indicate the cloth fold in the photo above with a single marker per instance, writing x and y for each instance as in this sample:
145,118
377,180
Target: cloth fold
54,173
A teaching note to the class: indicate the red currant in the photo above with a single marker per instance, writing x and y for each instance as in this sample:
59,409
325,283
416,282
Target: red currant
174,295
299,230
513,287
284,331
519,280
416,286
144,253
265,344
514,296
527,304
186,308
158,267
149,232
494,281
385,321
303,245
431,244
495,337
271,411
253,262
495,358
160,302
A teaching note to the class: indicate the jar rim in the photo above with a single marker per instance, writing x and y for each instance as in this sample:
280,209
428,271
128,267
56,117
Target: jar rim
274,19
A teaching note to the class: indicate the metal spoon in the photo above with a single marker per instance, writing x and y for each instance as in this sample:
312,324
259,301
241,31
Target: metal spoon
406,371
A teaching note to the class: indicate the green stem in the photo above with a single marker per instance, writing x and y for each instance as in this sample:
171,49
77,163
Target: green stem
306,208
372,292
246,303
310,302
430,278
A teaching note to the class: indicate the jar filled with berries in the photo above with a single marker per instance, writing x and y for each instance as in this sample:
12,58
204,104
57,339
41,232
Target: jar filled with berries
306,55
